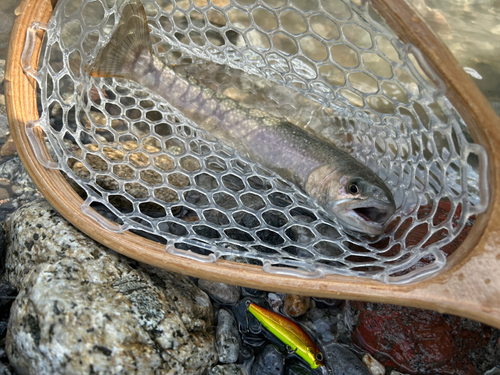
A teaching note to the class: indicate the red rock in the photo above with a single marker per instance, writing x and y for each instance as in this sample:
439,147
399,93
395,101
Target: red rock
418,341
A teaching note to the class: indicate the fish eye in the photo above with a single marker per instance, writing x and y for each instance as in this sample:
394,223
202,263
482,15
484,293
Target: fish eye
319,357
353,188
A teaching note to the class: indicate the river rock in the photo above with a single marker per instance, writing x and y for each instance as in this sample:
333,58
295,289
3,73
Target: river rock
374,366
295,305
14,171
84,309
224,293
324,323
275,301
227,338
7,296
493,371
342,361
298,367
229,369
269,362
420,341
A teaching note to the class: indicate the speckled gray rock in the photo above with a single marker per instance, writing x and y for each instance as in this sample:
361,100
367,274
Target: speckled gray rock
269,362
229,369
224,293
83,309
227,338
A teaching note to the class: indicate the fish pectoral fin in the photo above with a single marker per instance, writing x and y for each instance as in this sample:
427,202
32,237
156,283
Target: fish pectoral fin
129,39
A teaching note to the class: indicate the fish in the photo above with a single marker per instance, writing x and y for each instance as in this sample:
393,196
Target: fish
344,187
289,333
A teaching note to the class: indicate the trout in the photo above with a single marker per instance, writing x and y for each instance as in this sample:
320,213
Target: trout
353,193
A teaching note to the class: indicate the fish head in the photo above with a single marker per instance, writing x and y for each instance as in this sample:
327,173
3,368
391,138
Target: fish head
361,202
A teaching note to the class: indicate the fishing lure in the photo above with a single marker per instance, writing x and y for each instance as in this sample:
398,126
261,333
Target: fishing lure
290,334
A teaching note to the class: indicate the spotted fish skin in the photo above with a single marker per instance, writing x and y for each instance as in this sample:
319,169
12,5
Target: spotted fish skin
289,333
338,182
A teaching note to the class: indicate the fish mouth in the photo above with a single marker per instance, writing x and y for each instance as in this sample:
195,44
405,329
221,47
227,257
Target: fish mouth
373,214
367,216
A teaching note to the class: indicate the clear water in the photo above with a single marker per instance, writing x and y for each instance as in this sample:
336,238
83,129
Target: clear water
471,30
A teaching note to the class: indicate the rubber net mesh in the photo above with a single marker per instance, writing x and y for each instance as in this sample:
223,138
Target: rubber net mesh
331,67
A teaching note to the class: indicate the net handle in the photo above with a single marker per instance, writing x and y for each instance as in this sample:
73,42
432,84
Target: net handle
468,286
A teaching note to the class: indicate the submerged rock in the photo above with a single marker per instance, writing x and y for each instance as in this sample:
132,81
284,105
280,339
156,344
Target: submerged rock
374,366
227,337
298,367
230,369
223,293
7,296
493,371
14,171
83,309
269,362
342,361
296,306
419,341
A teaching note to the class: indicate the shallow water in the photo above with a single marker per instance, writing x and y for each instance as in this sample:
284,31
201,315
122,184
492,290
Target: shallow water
471,30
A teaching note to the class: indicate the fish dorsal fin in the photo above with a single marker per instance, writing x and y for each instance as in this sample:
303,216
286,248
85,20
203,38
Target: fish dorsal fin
130,38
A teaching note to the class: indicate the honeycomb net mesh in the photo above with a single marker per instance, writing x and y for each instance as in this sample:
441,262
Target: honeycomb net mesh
332,67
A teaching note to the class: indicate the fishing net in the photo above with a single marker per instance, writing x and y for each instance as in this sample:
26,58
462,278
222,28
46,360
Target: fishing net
332,67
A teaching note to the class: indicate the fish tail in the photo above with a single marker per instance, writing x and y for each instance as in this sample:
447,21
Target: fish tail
128,43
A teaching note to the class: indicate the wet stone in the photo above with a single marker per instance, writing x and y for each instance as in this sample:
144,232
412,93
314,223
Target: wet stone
7,208
269,362
223,293
342,361
83,309
7,296
421,341
323,323
9,148
5,368
275,301
4,193
374,366
227,339
2,251
249,292
327,303
297,367
13,172
246,354
295,305
229,369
